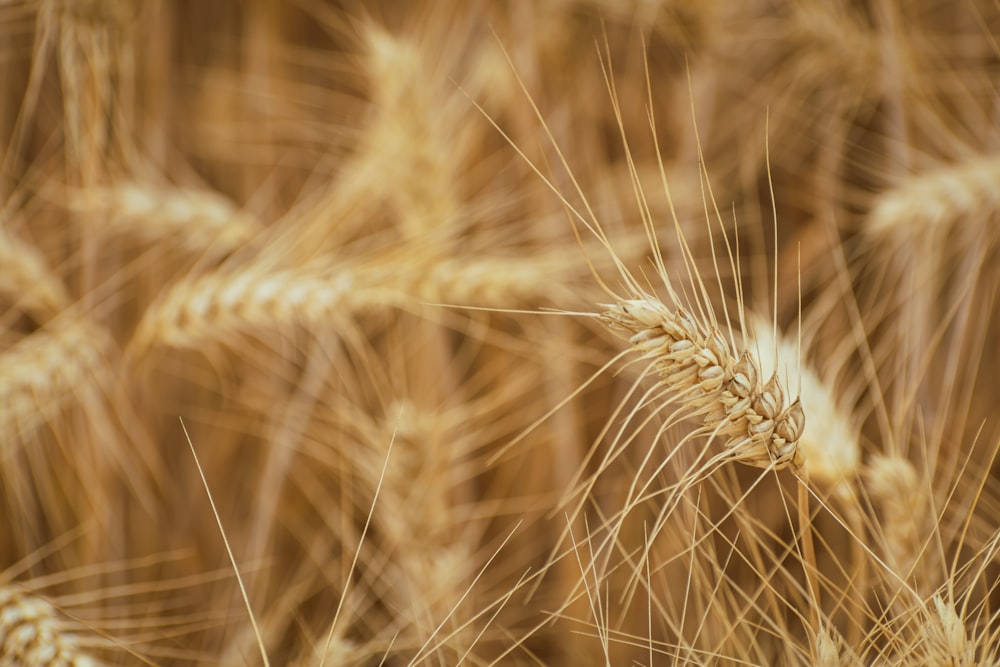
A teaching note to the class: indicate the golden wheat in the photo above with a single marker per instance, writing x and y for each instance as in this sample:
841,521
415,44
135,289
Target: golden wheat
829,653
205,311
26,281
701,368
213,308
828,440
377,264
930,202
905,515
32,634
196,220
51,368
944,640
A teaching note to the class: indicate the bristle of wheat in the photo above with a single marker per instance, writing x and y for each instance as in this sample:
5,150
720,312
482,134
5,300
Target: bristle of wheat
707,375
32,634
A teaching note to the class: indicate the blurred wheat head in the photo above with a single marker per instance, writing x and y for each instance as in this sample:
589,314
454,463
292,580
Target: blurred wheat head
472,324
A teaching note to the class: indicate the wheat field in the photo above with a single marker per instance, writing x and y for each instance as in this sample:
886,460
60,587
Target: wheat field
574,332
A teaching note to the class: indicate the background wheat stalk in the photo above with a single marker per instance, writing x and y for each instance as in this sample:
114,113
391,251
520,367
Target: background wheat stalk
362,252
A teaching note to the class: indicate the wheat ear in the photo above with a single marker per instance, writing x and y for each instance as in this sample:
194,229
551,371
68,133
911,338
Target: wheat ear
938,197
196,220
215,307
45,371
409,128
905,516
830,652
829,441
498,282
705,373
32,634
210,309
942,640
26,280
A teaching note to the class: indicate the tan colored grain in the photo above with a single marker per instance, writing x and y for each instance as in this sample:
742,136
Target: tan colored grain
211,309
71,445
197,313
93,56
416,505
496,282
423,518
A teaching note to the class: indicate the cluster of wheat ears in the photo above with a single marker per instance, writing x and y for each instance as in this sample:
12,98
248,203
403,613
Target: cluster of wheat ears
575,332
